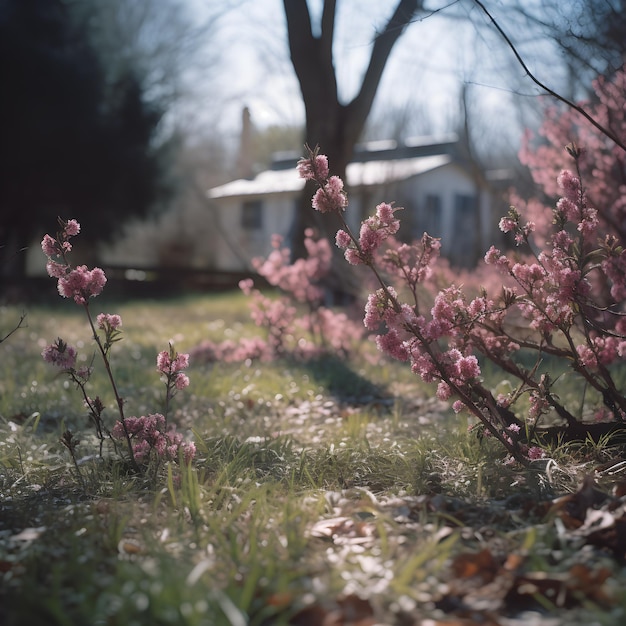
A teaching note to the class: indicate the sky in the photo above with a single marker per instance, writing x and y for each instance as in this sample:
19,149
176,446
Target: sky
435,55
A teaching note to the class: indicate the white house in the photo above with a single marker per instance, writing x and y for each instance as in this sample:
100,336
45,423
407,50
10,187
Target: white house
441,193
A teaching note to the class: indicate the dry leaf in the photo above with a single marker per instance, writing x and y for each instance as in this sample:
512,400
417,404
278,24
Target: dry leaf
350,610
343,530
129,547
481,564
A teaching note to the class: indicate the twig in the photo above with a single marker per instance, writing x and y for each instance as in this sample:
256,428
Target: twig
605,131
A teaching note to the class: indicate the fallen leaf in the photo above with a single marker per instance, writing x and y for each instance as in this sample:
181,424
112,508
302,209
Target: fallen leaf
129,547
343,530
572,508
470,565
350,610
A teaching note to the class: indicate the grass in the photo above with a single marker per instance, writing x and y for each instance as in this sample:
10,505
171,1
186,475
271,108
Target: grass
322,491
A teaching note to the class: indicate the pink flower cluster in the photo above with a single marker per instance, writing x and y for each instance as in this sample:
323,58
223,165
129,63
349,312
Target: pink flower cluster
108,321
374,231
79,283
601,161
557,289
412,263
297,323
302,277
313,168
171,365
614,267
148,435
330,197
60,354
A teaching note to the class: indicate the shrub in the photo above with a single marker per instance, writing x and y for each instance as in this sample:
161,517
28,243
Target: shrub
555,292
148,438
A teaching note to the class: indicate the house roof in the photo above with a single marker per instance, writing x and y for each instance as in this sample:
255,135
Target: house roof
358,174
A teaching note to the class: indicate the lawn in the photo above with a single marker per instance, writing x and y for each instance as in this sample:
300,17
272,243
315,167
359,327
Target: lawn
323,493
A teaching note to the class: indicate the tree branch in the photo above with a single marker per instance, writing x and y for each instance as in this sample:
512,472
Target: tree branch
605,131
328,28
383,44
311,56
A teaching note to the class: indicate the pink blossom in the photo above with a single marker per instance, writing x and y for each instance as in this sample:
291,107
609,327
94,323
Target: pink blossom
615,269
443,391
534,453
570,184
423,365
171,362
392,344
376,307
148,435
538,406
353,256
467,368
246,285
493,256
315,168
72,228
181,362
602,414
163,361
84,372
343,239
588,225
503,400
189,451
181,381
82,283
507,224
331,197
50,246
56,270
562,240
141,450
60,354
567,209
106,320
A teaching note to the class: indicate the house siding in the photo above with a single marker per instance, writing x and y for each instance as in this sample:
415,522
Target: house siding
464,219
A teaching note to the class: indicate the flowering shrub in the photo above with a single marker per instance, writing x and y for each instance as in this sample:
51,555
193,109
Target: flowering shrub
146,437
290,331
151,435
602,163
554,293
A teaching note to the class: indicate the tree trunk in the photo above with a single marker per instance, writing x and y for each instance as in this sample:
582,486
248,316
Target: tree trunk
331,125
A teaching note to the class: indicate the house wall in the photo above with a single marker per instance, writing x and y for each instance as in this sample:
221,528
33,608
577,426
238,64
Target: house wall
464,232
237,246
459,225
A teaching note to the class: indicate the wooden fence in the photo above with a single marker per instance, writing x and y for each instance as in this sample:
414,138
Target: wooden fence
133,282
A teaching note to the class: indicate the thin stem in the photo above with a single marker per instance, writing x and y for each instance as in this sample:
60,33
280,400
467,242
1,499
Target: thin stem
19,325
119,400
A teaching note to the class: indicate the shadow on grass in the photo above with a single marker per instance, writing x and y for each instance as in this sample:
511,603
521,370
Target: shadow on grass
343,382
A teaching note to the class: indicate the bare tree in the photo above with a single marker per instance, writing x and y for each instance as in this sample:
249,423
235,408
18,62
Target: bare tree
331,124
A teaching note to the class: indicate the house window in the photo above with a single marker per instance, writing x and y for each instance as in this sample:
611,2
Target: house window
465,230
252,215
432,215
